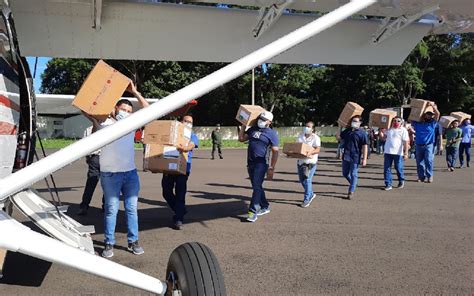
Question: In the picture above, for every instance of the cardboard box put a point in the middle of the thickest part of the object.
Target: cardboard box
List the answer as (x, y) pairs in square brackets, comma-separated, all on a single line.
[(445, 121), (418, 109), (166, 132), (461, 116), (381, 118), (248, 114), (297, 150), (350, 110), (164, 159), (101, 90)]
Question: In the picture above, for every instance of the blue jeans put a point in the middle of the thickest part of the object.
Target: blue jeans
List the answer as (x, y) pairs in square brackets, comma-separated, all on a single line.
[(464, 148), (257, 173), (307, 181), (398, 162), (113, 184), (424, 161), (174, 191), (451, 155), (350, 171)]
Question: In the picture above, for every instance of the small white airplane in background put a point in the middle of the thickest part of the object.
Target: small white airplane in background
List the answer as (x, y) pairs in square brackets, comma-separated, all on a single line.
[(383, 33)]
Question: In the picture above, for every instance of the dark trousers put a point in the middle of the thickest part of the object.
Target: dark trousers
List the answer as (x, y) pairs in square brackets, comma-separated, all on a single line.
[(93, 175), (174, 192), (257, 173), (218, 148), (464, 148)]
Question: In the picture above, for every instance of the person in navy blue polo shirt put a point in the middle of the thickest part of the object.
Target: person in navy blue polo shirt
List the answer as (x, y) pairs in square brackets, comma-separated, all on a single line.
[(355, 148), (261, 139), (175, 186), (425, 139)]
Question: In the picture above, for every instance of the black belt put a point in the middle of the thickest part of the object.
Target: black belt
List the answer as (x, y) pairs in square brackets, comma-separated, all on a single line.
[(424, 145)]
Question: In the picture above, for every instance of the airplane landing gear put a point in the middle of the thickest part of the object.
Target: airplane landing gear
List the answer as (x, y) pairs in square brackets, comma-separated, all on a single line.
[(193, 270)]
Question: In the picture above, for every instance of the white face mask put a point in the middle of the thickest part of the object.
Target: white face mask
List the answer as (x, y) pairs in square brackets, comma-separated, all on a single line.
[(262, 123), (307, 130), (122, 115), (188, 125), (355, 124)]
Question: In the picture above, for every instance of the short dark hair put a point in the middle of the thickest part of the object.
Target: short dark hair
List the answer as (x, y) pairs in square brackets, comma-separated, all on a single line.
[(124, 101), (310, 122)]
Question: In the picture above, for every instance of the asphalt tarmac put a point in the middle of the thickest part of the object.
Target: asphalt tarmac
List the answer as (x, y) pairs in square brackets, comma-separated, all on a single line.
[(411, 241)]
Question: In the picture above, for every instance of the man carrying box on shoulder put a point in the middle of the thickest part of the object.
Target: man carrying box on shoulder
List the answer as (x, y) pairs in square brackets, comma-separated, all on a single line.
[(465, 145), (118, 176), (307, 166), (260, 138), (355, 148), (175, 186), (425, 138), (453, 139)]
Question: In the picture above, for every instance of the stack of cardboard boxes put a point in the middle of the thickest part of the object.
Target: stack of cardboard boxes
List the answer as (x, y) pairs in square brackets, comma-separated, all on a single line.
[(161, 139), (350, 110)]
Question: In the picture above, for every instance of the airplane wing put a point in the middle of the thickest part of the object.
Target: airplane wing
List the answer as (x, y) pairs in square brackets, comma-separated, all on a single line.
[(146, 30)]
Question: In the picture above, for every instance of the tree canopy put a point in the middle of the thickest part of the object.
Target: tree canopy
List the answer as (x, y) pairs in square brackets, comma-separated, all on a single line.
[(440, 68)]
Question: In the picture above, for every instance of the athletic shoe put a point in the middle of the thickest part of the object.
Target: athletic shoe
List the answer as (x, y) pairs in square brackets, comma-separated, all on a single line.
[(388, 188), (262, 212), (401, 185), (420, 180), (135, 248), (178, 225), (429, 180), (350, 195), (306, 203), (108, 252), (252, 217)]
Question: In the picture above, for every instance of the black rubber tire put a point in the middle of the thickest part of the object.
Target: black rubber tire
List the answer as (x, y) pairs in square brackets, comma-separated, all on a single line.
[(196, 271)]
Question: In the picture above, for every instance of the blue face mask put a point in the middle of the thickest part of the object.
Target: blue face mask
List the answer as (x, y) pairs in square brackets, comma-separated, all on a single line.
[(122, 115)]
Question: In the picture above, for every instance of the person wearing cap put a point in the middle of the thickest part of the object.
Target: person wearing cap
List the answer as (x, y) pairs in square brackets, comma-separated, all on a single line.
[(174, 187), (261, 139), (425, 138), (216, 138), (307, 166), (355, 149), (453, 139), (465, 146), (395, 151)]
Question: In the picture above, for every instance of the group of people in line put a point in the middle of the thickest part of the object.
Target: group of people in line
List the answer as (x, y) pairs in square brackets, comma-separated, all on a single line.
[(115, 165)]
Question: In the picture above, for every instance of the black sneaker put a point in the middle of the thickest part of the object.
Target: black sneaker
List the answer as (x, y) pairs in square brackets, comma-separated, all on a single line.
[(108, 252), (401, 185), (135, 248)]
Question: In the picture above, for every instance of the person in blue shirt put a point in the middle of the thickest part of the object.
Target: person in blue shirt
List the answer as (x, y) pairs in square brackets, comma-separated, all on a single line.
[(175, 186), (465, 146), (355, 148), (261, 139), (425, 139)]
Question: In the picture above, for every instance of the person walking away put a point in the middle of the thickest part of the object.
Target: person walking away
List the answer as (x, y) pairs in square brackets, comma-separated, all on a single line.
[(93, 175), (425, 136), (118, 176), (453, 140), (355, 149), (216, 138), (465, 146), (261, 139), (175, 186), (381, 141), (396, 152), (306, 167)]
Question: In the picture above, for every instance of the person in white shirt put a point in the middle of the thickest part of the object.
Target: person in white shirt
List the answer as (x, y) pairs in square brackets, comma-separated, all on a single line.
[(118, 176), (396, 152), (307, 166)]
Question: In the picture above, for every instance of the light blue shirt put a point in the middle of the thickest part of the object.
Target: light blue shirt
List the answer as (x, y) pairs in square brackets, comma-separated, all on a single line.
[(467, 132)]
